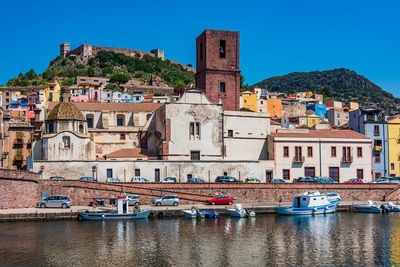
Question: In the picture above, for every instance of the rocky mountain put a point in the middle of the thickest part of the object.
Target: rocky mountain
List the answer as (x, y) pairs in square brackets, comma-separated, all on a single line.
[(338, 84)]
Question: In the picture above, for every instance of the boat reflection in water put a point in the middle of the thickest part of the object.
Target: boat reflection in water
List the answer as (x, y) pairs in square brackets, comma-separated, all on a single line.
[(332, 239)]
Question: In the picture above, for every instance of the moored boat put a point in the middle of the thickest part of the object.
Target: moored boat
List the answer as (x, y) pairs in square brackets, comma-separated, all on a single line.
[(310, 203), (369, 207), (194, 213), (240, 212), (392, 207), (122, 212)]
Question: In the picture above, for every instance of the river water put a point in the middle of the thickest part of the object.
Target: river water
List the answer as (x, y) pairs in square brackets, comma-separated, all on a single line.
[(342, 239)]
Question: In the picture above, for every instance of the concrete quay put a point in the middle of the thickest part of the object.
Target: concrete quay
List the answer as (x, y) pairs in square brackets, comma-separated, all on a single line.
[(37, 214)]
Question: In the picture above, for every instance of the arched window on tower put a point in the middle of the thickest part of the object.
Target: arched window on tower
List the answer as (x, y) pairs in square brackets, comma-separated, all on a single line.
[(81, 128), (66, 142)]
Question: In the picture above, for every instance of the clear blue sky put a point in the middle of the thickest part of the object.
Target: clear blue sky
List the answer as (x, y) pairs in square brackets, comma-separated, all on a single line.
[(277, 37)]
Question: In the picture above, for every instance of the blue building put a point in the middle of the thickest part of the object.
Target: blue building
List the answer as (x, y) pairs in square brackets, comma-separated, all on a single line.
[(127, 98), (371, 122), (137, 98), (319, 109)]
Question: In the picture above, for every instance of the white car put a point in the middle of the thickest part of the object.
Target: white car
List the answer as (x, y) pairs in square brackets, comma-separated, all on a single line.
[(139, 180), (169, 180)]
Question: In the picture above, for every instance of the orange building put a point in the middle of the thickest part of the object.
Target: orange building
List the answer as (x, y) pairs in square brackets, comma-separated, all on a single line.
[(274, 107)]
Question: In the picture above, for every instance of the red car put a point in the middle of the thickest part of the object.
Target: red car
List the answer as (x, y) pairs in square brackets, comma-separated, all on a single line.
[(355, 181), (221, 200)]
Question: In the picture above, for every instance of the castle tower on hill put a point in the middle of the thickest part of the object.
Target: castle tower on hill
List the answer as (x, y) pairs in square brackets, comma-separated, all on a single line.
[(217, 67), (64, 49)]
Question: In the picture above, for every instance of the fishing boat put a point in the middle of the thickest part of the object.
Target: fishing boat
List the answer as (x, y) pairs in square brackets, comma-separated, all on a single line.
[(122, 212), (195, 213), (240, 212), (369, 207), (310, 203), (392, 207)]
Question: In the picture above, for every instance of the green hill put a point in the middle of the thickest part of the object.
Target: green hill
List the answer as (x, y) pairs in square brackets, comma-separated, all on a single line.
[(108, 64), (338, 84)]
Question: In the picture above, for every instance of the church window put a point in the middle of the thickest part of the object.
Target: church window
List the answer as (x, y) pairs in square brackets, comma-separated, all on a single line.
[(80, 128), (222, 87), (222, 48), (66, 142)]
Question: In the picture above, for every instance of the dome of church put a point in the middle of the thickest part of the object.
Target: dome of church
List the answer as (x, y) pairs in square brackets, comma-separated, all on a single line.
[(66, 111)]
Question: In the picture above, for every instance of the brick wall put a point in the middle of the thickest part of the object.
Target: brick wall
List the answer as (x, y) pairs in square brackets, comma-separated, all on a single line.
[(18, 189)]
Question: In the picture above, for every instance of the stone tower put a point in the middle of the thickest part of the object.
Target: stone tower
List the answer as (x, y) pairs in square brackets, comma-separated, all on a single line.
[(64, 49), (65, 94), (217, 67)]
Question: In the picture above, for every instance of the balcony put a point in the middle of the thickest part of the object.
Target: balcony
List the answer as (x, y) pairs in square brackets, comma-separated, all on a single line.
[(18, 142), (298, 159), (347, 159)]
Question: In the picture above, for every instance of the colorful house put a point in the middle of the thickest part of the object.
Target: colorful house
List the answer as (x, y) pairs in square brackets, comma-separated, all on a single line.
[(52, 92), (319, 109), (274, 107), (249, 101), (312, 120), (80, 93), (371, 122), (393, 130)]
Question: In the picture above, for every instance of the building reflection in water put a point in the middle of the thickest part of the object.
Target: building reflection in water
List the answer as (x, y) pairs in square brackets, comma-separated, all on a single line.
[(340, 239)]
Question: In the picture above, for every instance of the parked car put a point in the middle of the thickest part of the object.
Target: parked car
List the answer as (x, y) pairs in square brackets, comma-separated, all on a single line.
[(113, 180), (134, 200), (169, 180), (394, 180), (171, 200), (227, 179), (220, 200), (381, 181), (139, 180), (354, 181), (325, 180), (253, 180), (305, 180), (59, 201), (277, 181), (88, 179), (195, 180), (56, 178)]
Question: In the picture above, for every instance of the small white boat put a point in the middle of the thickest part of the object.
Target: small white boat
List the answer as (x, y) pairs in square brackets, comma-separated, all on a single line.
[(240, 212), (310, 203), (193, 213), (369, 207), (392, 207)]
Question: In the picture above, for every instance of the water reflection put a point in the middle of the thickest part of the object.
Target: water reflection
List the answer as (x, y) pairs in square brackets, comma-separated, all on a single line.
[(335, 239)]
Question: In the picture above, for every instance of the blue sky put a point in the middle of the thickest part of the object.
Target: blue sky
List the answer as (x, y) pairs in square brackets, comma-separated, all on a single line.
[(277, 37)]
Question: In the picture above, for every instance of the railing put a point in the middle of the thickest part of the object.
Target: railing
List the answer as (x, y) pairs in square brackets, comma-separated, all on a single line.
[(298, 159), (347, 159)]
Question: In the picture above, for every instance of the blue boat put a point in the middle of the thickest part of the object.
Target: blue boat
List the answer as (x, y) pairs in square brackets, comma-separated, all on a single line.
[(122, 212), (195, 213), (311, 203)]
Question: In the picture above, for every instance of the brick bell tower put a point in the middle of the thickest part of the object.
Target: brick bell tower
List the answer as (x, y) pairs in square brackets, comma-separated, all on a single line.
[(217, 67)]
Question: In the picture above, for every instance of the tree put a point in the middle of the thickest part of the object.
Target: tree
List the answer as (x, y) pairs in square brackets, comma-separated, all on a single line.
[(179, 85), (68, 81), (30, 75), (120, 78)]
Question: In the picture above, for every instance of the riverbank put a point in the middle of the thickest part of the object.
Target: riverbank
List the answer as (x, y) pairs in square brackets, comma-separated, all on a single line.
[(33, 214)]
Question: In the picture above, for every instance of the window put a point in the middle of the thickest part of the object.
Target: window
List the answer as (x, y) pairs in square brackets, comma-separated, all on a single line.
[(309, 171), (225, 173), (392, 166), (377, 157), (7, 94), (286, 174), (137, 172), (359, 152), (122, 136), (51, 128), (109, 173), (195, 155), (338, 123), (298, 153), (89, 119), (338, 115), (120, 120), (346, 154), (222, 48), (51, 97), (222, 88), (80, 128), (66, 142), (360, 173), (333, 151), (334, 173), (378, 175), (310, 152), (376, 130), (230, 133), (285, 151), (194, 130), (201, 51)]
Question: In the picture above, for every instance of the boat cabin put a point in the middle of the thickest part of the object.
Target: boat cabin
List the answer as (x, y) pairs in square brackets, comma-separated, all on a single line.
[(310, 199)]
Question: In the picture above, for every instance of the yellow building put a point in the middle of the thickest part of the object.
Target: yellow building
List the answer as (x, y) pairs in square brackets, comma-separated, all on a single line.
[(312, 120), (393, 126), (249, 101), (274, 107), (52, 92), (262, 105)]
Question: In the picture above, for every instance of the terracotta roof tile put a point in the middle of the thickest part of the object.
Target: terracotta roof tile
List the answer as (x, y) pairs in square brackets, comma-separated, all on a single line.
[(129, 153), (323, 134), (134, 107)]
